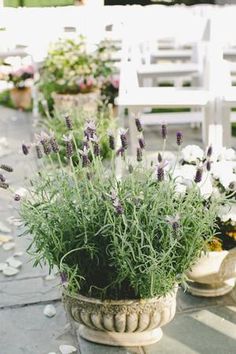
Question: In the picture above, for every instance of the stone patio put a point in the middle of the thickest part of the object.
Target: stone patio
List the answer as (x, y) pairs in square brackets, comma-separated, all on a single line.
[(201, 325)]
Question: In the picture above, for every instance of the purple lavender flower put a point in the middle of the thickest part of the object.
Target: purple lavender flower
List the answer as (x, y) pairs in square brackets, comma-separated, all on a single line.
[(209, 151), (161, 171), (38, 151), (208, 165), (141, 142), (89, 129), (69, 146), (130, 168), (68, 122), (85, 158), (164, 131), (118, 207), (120, 152), (179, 138), (43, 138), (111, 140), (123, 138), (174, 221), (63, 277), (4, 185), (159, 157), (25, 149), (17, 197), (139, 154), (6, 168), (2, 178), (54, 144), (198, 176), (138, 125)]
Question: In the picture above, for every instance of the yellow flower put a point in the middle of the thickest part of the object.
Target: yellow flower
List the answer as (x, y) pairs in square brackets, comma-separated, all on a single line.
[(215, 245)]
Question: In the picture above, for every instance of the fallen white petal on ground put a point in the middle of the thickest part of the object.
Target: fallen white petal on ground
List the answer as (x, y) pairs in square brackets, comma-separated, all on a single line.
[(49, 311), (18, 254), (4, 228), (10, 271), (67, 349), (3, 266), (50, 277), (8, 246), (14, 262)]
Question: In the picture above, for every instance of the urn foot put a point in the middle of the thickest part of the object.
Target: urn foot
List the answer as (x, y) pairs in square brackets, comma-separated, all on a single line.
[(211, 290), (121, 339)]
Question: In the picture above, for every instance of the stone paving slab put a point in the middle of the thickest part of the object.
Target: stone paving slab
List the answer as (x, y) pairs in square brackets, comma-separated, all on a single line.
[(200, 332), (28, 291), (26, 330)]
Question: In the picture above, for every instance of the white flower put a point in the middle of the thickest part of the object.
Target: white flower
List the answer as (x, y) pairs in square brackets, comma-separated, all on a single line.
[(192, 153), (180, 189), (225, 179), (220, 168), (227, 154), (228, 212), (183, 173)]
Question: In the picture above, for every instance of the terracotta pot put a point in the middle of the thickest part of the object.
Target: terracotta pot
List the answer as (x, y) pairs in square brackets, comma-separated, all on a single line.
[(21, 98), (122, 322), (87, 101), (214, 274)]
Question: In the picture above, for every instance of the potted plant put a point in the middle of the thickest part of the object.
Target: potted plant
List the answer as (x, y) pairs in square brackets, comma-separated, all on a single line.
[(214, 274), (72, 77), (121, 245), (21, 79)]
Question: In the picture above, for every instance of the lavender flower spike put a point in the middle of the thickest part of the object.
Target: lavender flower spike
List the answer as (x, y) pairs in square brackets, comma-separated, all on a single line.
[(43, 138), (164, 131), (138, 125), (53, 142), (123, 138), (17, 197), (141, 142), (174, 222), (159, 157), (161, 171), (68, 122), (198, 176), (85, 158), (209, 151), (111, 140), (139, 154), (120, 152), (69, 146), (208, 165), (6, 168), (25, 149), (179, 138), (38, 152), (2, 178)]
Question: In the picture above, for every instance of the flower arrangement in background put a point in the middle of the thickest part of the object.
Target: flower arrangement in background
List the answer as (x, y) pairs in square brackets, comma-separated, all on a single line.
[(22, 77), (70, 69), (218, 178)]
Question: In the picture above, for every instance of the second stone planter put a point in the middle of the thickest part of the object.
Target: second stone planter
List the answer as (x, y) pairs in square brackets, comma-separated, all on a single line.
[(214, 274)]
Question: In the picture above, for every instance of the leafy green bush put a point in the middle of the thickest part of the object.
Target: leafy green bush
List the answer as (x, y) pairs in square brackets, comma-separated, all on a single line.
[(109, 237)]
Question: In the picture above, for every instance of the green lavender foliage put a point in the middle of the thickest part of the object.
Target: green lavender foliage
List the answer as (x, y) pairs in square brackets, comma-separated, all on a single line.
[(134, 253)]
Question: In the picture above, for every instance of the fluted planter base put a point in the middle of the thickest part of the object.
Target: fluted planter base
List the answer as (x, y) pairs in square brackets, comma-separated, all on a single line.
[(211, 290), (124, 323), (120, 339)]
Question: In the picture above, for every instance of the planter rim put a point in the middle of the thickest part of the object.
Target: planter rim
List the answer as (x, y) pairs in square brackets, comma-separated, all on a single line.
[(121, 302)]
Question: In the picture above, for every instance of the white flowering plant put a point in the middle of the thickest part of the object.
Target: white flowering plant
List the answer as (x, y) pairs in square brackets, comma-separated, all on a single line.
[(218, 178), (70, 69)]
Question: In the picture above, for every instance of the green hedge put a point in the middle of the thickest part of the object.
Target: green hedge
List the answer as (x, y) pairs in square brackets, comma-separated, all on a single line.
[(37, 3)]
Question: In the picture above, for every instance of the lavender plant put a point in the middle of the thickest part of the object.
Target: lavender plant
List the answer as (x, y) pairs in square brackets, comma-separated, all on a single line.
[(61, 124), (114, 238)]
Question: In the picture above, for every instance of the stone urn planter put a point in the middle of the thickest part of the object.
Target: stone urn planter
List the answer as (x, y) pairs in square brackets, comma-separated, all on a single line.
[(21, 97), (214, 274), (87, 101), (121, 322)]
